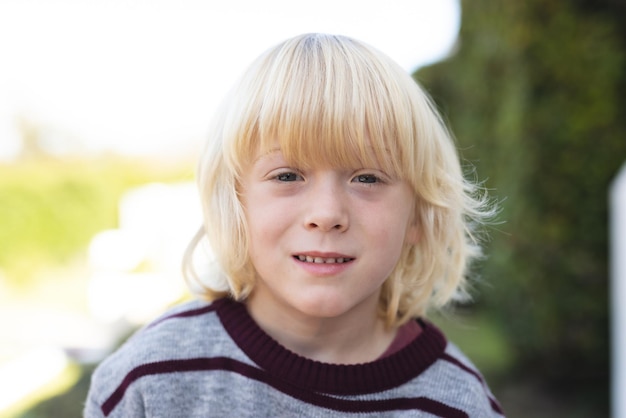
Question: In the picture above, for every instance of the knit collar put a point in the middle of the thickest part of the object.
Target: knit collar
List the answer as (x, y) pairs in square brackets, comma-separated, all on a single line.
[(338, 379)]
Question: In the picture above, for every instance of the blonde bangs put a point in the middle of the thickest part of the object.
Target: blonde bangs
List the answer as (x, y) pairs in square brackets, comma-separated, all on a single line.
[(321, 102)]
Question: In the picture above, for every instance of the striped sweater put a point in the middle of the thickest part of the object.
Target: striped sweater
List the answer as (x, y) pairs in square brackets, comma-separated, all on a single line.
[(212, 360)]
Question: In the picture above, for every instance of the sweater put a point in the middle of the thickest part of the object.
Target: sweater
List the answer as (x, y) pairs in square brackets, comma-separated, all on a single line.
[(212, 360)]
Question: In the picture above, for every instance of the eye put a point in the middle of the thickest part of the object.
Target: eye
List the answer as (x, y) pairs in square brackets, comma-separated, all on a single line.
[(366, 178), (288, 176)]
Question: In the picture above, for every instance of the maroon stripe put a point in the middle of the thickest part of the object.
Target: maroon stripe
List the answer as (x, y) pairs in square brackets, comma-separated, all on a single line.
[(228, 364), (453, 360), (185, 314), (494, 403)]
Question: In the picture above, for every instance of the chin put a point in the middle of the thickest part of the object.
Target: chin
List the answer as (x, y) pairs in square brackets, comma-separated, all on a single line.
[(323, 308)]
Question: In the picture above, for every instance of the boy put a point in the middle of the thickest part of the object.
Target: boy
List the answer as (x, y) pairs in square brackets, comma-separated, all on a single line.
[(335, 205)]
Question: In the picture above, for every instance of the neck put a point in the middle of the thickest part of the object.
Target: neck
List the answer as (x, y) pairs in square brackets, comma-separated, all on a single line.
[(359, 337)]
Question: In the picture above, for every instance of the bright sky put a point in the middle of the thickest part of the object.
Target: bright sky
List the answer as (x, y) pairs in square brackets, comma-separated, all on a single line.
[(143, 76)]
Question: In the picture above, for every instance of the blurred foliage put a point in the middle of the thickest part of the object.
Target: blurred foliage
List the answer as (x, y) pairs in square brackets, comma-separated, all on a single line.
[(51, 208), (535, 94)]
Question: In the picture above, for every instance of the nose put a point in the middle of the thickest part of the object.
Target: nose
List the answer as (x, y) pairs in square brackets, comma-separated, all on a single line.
[(327, 207)]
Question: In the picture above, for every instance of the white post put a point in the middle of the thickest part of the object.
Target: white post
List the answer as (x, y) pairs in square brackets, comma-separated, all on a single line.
[(618, 293)]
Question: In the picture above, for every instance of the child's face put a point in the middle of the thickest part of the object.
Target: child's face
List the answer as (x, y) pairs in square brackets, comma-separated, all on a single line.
[(323, 240)]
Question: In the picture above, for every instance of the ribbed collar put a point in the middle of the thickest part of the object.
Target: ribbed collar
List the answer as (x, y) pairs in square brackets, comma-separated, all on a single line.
[(337, 379)]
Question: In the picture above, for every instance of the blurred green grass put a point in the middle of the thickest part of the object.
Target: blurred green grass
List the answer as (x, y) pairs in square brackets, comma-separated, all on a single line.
[(50, 209)]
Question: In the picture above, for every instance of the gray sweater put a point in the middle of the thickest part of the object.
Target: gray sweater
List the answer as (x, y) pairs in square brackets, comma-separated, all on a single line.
[(212, 360)]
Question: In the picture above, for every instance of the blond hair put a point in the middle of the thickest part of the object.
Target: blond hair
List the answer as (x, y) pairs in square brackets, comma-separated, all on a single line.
[(332, 99)]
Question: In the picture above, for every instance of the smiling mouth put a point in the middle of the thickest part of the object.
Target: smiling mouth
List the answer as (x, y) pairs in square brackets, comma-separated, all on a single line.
[(323, 260)]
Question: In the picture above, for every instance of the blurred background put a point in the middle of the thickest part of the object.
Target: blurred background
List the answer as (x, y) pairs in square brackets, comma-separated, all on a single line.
[(103, 109)]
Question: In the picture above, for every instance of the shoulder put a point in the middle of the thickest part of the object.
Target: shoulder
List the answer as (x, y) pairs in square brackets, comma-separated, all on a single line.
[(459, 382), (443, 377), (179, 334), (194, 320)]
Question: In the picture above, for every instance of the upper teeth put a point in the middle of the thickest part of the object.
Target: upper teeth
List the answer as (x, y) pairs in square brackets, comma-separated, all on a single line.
[(321, 260)]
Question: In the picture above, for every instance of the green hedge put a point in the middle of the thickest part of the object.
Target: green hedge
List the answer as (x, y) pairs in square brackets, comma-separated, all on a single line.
[(535, 95)]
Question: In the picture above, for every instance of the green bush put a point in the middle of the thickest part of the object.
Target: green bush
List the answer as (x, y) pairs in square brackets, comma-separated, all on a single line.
[(534, 94)]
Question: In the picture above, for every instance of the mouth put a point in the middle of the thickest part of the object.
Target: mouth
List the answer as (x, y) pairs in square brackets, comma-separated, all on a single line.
[(322, 260)]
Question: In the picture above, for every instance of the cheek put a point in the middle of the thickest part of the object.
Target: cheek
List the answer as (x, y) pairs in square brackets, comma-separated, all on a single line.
[(256, 210), (264, 218), (267, 224), (396, 225), (395, 232)]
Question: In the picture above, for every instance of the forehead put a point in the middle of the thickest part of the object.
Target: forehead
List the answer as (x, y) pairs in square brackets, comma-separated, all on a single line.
[(332, 152)]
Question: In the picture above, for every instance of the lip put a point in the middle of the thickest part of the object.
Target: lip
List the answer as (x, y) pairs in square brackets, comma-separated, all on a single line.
[(323, 269)]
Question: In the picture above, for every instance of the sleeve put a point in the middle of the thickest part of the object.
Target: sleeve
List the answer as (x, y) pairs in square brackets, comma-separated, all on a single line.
[(101, 401)]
